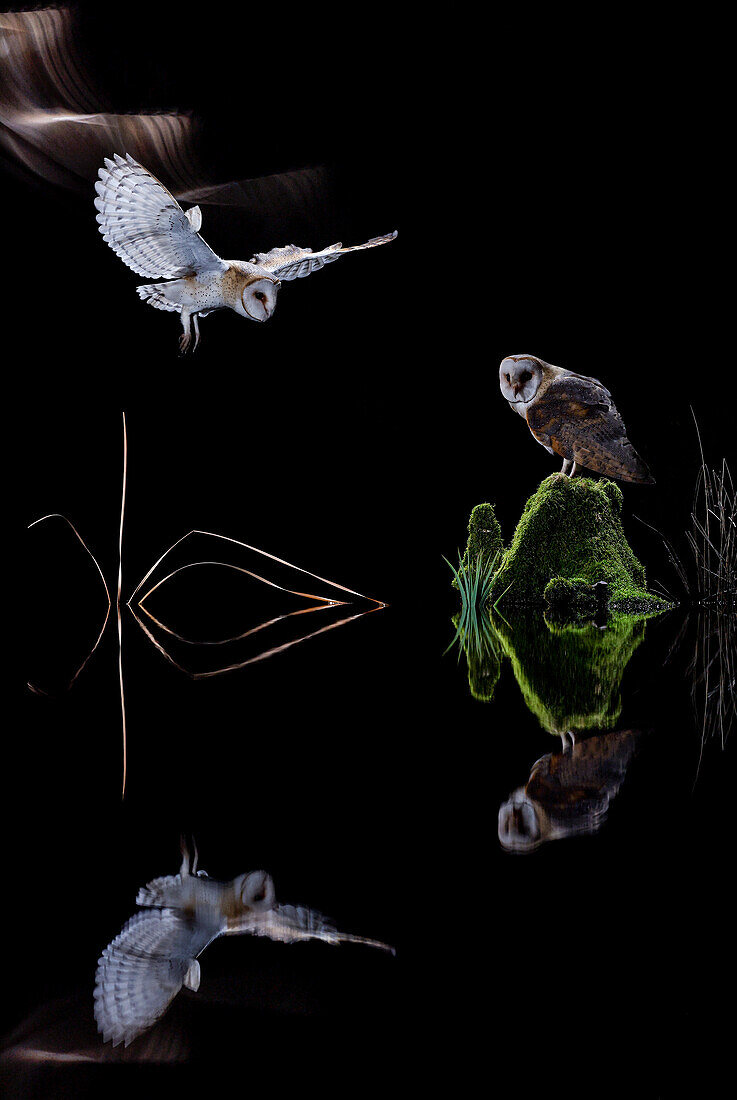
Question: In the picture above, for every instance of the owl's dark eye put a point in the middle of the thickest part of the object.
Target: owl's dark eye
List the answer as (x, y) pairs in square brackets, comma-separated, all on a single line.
[(525, 376), (260, 295), (507, 377)]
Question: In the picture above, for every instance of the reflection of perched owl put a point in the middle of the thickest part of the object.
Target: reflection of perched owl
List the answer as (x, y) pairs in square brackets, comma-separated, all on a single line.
[(572, 416), (143, 969), (145, 225), (568, 793)]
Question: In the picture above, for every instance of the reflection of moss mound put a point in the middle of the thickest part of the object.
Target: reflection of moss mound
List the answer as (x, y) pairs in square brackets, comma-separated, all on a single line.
[(571, 529), (484, 539), (570, 676)]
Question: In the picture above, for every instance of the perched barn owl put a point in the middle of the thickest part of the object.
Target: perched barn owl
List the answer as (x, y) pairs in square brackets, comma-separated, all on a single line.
[(145, 225), (572, 416), (568, 793), (140, 973)]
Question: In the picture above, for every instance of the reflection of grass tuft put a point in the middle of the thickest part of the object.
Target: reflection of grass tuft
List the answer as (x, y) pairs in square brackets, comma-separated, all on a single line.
[(474, 631)]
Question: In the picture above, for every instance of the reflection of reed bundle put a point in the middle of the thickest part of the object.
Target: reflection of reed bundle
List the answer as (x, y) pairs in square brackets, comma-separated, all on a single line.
[(714, 676), (710, 584), (713, 542)]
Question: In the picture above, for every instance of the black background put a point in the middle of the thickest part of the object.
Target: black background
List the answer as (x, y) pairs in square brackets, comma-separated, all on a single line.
[(566, 205)]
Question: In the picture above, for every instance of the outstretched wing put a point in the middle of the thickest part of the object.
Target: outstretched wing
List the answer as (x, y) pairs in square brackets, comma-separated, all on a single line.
[(577, 418), (292, 923), (145, 225), (140, 973), (292, 262)]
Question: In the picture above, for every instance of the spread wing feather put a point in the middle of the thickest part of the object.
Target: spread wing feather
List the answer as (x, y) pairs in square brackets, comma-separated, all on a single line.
[(140, 973), (290, 923), (163, 891), (145, 225), (293, 262), (577, 418)]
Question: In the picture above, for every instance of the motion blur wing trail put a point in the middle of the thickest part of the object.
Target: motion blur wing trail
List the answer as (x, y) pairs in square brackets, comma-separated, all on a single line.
[(57, 126), (54, 122)]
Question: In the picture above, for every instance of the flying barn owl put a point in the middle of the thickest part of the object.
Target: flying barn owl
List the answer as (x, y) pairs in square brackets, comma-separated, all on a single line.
[(140, 973), (573, 416), (145, 225)]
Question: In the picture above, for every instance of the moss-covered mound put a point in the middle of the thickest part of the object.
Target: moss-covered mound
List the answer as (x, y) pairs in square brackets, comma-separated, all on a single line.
[(570, 676), (569, 539)]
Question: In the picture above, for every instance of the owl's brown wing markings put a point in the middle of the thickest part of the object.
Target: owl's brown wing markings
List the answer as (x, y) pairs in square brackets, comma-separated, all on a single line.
[(596, 767), (140, 973), (145, 225), (579, 422)]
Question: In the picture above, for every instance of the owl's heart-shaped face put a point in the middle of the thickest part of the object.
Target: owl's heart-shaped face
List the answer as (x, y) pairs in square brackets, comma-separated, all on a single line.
[(259, 298), (256, 891), (519, 826), (519, 378)]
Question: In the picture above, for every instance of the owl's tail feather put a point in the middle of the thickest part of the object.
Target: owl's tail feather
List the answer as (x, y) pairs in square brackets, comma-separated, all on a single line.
[(156, 295)]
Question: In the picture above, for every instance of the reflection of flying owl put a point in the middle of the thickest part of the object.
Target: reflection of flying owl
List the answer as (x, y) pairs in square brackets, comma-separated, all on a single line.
[(154, 236), (142, 970), (572, 416), (568, 793)]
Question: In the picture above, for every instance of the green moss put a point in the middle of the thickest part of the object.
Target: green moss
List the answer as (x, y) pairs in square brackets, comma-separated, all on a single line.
[(570, 675), (571, 597), (485, 542), (570, 538)]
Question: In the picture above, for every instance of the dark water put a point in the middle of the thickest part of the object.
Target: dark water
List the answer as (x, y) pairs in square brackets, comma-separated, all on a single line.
[(359, 769)]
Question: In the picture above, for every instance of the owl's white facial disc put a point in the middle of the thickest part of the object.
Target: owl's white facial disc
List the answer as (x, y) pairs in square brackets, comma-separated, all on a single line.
[(259, 298), (519, 379), (519, 827), (257, 890)]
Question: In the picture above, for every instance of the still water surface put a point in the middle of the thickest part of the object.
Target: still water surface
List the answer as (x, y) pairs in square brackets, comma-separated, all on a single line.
[(532, 818)]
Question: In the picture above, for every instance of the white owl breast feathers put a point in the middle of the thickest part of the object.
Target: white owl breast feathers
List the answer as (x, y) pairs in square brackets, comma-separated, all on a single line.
[(140, 973), (145, 225), (573, 416)]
